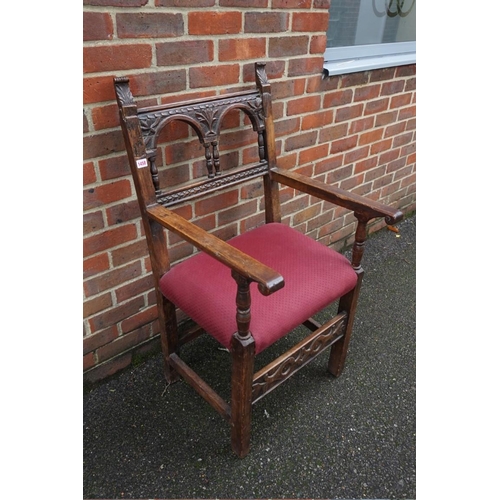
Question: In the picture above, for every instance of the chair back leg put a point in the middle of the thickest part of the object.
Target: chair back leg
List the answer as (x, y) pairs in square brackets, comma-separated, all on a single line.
[(168, 335)]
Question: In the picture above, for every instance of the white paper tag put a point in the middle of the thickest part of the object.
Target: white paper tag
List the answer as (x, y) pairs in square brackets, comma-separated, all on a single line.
[(143, 162)]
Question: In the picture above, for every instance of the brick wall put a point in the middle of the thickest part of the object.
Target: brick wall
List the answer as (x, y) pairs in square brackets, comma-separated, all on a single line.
[(356, 131)]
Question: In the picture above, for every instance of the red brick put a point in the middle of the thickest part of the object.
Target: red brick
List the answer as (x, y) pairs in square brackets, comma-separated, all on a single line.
[(366, 93), (305, 66), (214, 203), (363, 166), (313, 153), (113, 168), (407, 113), (129, 253), (378, 147), (103, 144), (343, 144), (123, 343), (318, 44), (243, 3), (348, 113), (97, 26), (135, 288), (337, 98), (116, 3), (310, 21), (402, 140), (286, 127), (116, 57), (97, 304), (108, 239), (395, 129), (319, 119), (338, 171), (408, 150), (149, 25), (401, 100), (290, 87), (370, 137), (106, 193), (361, 125), (185, 3), (291, 4), (388, 156), (92, 342), (373, 107), (274, 69), (379, 75), (105, 117), (357, 154), (92, 222), (213, 76), (284, 46), (214, 23), (376, 173), (243, 209), (334, 132), (319, 221), (89, 176), (302, 140), (394, 87), (354, 79), (242, 48), (411, 84), (112, 279), (266, 22), (95, 265), (321, 4), (159, 82), (306, 214), (352, 182), (139, 320), (185, 52), (303, 105), (98, 89), (88, 361), (237, 139), (385, 118)]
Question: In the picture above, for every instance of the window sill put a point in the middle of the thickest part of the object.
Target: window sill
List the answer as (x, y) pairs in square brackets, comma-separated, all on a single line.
[(353, 65)]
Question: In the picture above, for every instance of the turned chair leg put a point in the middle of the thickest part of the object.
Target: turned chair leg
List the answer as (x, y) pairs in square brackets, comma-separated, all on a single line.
[(243, 354), (338, 351)]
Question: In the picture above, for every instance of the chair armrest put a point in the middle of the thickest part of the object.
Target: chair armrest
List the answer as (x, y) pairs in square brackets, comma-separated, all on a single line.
[(360, 205), (268, 280)]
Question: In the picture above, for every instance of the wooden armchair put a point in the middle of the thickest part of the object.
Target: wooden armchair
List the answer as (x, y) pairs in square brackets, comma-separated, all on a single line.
[(254, 289)]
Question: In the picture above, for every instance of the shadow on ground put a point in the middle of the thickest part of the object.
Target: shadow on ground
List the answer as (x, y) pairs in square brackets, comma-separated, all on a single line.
[(313, 437)]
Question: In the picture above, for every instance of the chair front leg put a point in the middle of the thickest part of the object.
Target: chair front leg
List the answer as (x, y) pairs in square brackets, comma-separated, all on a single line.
[(243, 355), (349, 301), (338, 351)]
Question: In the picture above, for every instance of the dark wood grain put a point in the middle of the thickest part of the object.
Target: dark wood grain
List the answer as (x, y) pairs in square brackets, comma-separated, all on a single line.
[(369, 208), (269, 281)]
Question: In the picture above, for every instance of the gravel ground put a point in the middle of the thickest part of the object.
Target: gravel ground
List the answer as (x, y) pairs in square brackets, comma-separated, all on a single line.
[(314, 437)]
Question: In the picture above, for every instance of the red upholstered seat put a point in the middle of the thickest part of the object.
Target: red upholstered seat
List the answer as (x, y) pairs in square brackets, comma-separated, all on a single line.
[(314, 275)]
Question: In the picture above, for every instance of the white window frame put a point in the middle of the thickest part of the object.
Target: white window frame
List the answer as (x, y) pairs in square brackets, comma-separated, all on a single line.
[(341, 60)]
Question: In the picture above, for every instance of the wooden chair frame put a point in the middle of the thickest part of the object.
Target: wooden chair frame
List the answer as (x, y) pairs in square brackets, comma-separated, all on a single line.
[(141, 127)]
